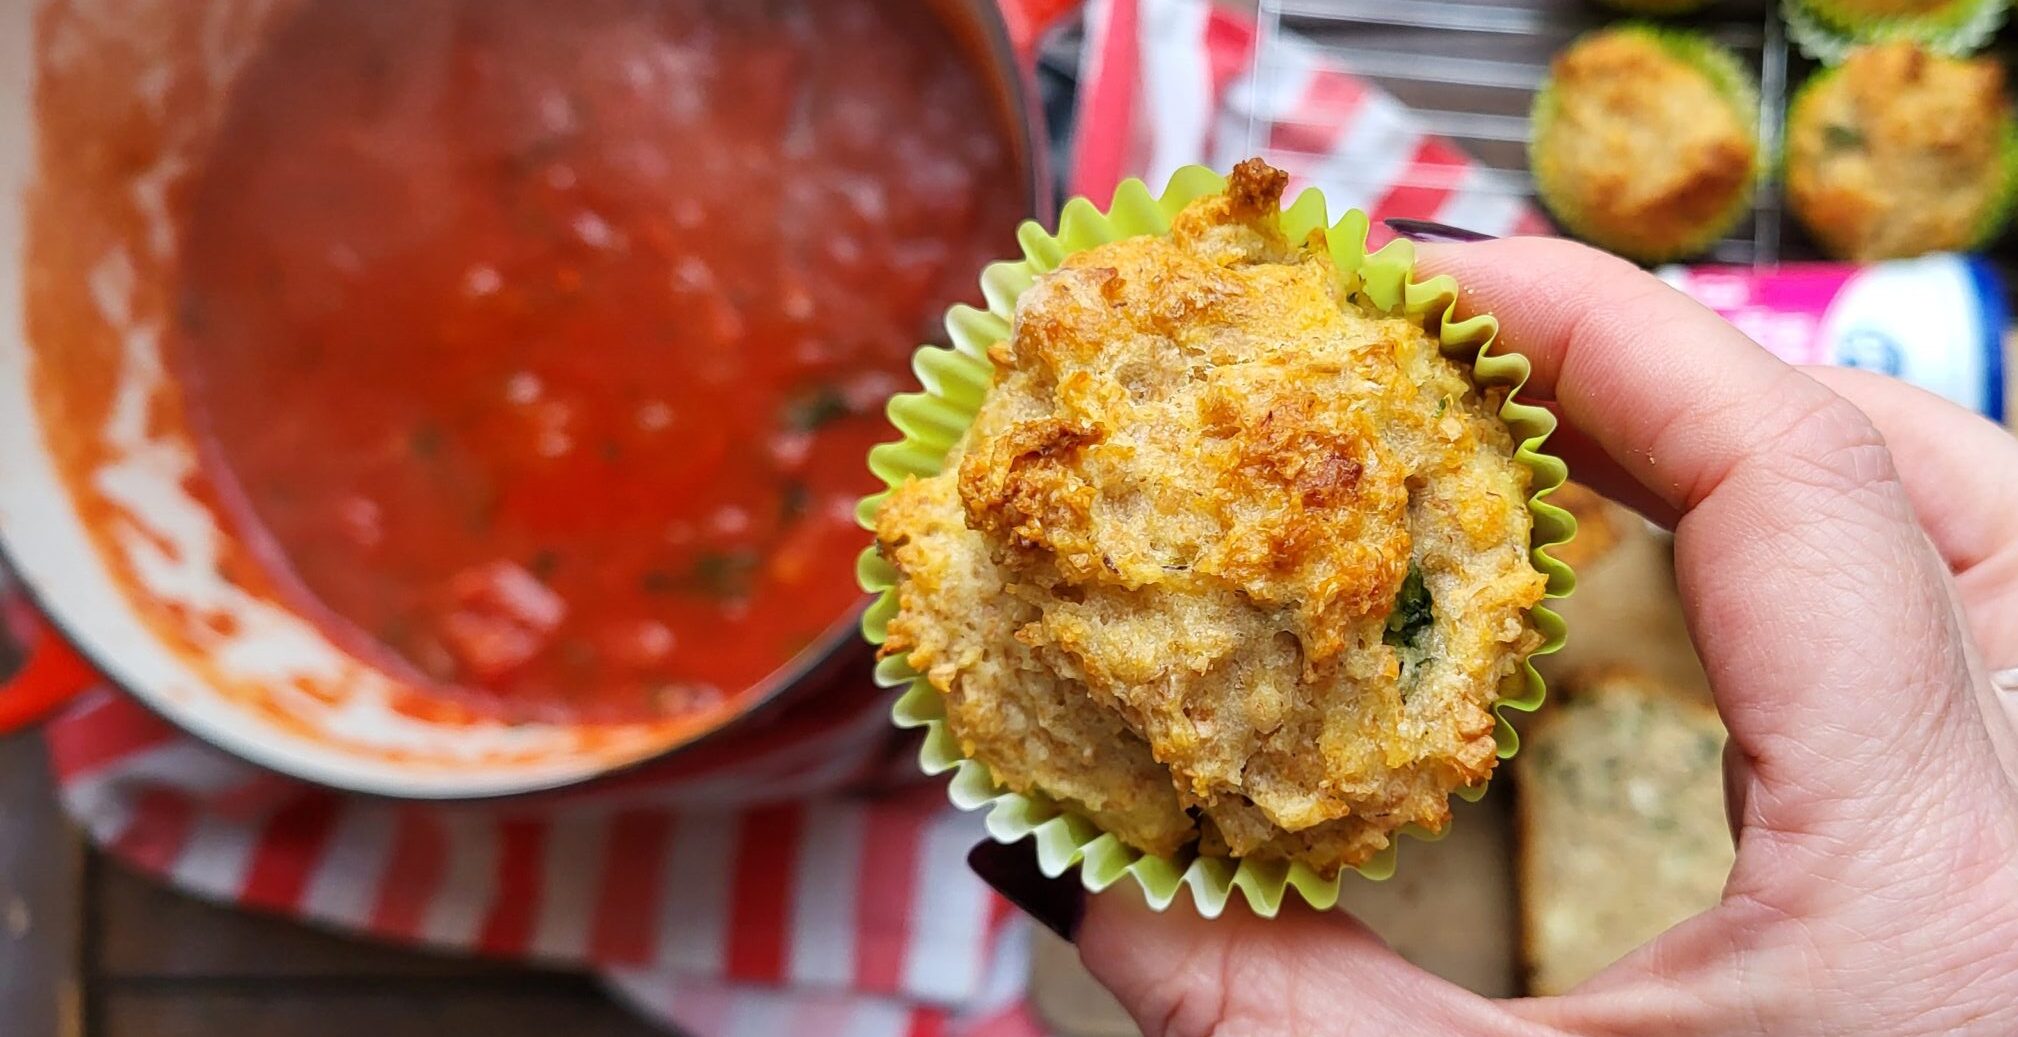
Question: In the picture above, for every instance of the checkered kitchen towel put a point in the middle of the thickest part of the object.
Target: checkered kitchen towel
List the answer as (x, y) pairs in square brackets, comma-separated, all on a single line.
[(735, 892)]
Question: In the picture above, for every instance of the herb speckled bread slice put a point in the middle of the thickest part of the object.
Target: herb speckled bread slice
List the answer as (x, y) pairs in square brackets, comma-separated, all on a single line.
[(1621, 824)]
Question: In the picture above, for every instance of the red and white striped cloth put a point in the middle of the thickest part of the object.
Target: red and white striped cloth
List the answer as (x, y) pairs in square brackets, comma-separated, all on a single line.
[(733, 891), (1177, 82), (760, 912)]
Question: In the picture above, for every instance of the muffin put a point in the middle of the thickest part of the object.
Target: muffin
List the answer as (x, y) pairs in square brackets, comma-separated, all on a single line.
[(1899, 151), (1229, 561), (1645, 142), (1827, 30)]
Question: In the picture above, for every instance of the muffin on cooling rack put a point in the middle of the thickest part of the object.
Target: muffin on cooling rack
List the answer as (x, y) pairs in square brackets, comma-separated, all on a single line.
[(1828, 30), (1230, 560), (1899, 151), (1644, 141)]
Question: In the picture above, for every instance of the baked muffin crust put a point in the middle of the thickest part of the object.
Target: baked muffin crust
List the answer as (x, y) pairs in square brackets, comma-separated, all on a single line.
[(1226, 556)]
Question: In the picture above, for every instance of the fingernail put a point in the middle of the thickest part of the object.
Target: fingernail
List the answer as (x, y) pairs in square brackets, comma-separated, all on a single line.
[(1057, 904), (1430, 230)]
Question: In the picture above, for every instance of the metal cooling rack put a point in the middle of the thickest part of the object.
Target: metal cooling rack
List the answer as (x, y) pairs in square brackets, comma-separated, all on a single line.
[(1469, 70)]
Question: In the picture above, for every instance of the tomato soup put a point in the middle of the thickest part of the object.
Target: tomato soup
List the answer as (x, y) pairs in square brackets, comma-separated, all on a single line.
[(541, 344)]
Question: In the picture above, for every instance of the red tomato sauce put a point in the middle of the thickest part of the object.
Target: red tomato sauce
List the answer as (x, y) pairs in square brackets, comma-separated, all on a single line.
[(544, 342)]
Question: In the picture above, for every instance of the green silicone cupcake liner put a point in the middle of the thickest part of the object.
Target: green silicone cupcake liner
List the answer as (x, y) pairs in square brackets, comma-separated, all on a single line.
[(1730, 80), (1828, 34), (955, 380), (1999, 215), (1995, 218)]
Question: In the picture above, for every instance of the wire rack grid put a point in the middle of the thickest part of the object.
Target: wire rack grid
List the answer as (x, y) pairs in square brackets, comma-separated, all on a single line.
[(1468, 71)]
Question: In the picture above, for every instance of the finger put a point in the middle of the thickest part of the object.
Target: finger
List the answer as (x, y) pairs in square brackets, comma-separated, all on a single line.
[(1305, 973), (1591, 466), (1671, 391), (1806, 580), (2004, 689), (1824, 617), (1737, 788), (1944, 454), (1961, 473)]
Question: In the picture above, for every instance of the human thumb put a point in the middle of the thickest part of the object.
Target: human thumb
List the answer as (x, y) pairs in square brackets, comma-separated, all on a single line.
[(1304, 973)]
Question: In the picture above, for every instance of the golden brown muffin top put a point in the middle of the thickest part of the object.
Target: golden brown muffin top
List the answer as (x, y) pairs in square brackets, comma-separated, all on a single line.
[(1206, 479), (1642, 151), (1899, 152)]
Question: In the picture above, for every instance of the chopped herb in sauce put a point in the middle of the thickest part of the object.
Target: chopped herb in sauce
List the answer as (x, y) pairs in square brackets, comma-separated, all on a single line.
[(482, 504), (722, 575), (812, 410), (396, 631), (192, 313), (794, 500), (425, 441), (580, 655), (544, 563)]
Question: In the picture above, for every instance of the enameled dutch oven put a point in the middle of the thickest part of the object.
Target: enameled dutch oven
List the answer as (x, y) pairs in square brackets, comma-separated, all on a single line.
[(239, 670)]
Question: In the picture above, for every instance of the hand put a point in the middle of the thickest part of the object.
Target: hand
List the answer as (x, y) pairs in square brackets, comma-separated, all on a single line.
[(1847, 553)]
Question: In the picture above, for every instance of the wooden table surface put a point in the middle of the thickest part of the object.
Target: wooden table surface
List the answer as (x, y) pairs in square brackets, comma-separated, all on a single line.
[(89, 950)]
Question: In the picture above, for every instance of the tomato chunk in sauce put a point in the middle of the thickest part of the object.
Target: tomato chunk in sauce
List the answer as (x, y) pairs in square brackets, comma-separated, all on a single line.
[(542, 343)]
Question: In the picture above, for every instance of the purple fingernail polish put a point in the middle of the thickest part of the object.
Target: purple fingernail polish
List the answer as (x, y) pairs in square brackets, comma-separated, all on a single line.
[(1432, 231), (1057, 904)]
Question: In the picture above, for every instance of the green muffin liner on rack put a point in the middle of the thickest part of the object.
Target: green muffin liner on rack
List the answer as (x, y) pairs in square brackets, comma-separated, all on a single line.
[(957, 378), (1557, 188), (1828, 31), (1991, 223)]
